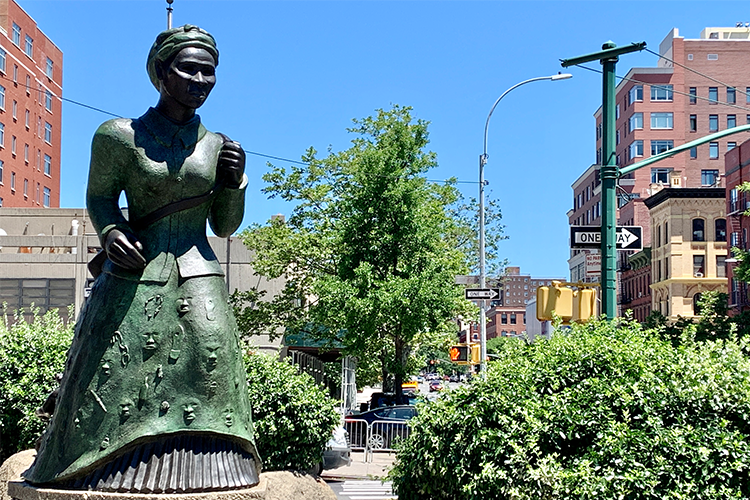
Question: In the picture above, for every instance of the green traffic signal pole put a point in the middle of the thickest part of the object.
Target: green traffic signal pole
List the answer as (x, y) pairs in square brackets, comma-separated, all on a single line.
[(608, 172)]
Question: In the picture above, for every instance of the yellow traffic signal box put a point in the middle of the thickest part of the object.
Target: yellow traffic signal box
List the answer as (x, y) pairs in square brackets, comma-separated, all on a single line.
[(584, 305), (555, 299), (476, 354)]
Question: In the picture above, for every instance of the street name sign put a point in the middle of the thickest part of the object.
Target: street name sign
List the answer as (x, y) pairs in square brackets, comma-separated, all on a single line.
[(628, 237), (482, 293)]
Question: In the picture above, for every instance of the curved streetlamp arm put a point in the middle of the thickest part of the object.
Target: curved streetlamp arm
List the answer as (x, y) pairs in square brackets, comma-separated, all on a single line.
[(562, 76)]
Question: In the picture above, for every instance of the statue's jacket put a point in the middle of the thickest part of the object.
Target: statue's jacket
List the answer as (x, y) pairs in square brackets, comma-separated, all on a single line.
[(155, 352)]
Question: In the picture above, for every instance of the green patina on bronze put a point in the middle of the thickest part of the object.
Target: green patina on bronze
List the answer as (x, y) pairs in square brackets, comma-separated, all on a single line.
[(156, 350)]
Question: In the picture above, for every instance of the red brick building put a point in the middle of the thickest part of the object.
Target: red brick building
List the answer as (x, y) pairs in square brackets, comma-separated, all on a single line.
[(507, 316), (737, 165), (30, 112), (658, 108)]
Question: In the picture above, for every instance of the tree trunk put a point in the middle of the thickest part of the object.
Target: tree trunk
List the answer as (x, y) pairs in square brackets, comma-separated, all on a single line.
[(399, 375)]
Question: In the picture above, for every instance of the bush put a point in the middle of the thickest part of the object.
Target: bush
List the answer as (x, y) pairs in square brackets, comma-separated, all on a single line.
[(31, 353), (294, 418), (605, 411)]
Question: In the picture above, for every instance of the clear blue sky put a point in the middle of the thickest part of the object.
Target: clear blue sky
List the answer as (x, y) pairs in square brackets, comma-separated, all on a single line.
[(294, 74)]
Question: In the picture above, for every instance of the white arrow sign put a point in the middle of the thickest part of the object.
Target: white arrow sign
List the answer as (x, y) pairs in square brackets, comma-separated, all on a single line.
[(482, 293), (625, 238)]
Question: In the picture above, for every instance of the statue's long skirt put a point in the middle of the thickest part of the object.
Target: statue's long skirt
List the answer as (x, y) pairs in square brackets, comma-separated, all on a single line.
[(154, 394)]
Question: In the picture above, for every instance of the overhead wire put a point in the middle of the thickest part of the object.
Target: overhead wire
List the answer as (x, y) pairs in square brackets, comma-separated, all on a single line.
[(666, 87), (254, 153)]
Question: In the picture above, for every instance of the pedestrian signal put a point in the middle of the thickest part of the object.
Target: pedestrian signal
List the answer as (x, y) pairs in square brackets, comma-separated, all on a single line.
[(554, 299), (584, 305), (459, 354)]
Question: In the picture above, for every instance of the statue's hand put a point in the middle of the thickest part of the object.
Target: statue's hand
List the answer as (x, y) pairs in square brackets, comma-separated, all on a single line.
[(124, 250), (231, 165)]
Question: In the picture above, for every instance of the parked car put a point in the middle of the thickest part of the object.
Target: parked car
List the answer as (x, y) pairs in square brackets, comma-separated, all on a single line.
[(386, 425), (338, 452), (436, 385), (381, 399)]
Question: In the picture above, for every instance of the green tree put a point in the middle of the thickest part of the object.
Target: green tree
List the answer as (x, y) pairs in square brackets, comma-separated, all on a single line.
[(371, 250)]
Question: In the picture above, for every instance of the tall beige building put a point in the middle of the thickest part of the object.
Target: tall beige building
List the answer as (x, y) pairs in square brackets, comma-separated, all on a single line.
[(689, 248)]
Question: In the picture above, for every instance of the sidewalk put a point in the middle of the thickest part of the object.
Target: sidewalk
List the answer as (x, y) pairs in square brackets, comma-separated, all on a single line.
[(359, 469)]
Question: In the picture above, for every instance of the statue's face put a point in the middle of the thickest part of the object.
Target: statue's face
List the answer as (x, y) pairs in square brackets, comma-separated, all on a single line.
[(190, 77)]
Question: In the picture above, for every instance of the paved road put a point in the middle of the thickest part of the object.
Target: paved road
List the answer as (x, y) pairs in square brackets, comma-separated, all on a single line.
[(360, 489)]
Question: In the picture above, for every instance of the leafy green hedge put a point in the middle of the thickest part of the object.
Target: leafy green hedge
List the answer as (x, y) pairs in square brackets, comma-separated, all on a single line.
[(605, 411), (30, 356), (294, 417)]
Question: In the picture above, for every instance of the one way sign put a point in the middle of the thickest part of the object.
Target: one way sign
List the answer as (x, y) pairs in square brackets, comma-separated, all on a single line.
[(628, 237)]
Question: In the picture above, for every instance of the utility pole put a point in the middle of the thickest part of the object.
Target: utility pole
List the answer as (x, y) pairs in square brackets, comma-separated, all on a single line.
[(608, 171)]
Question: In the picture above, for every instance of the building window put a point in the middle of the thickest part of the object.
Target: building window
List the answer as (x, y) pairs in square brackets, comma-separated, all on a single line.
[(709, 177), (731, 95), (2, 97), (504, 318), (713, 123), (37, 193), (29, 46), (721, 266), (617, 112), (636, 121), (731, 146), (713, 94), (660, 175), (512, 318), (2, 164), (699, 230), (693, 95), (47, 132), (661, 146), (26, 153), (662, 120), (48, 100), (26, 119), (747, 95), (636, 149), (16, 34), (28, 85), (693, 153), (731, 121), (698, 265), (12, 181), (15, 110), (47, 165), (3, 58), (720, 227), (661, 92), (25, 188), (636, 93), (13, 145), (2, 135), (47, 196), (599, 156), (696, 304), (713, 150), (50, 68), (693, 123)]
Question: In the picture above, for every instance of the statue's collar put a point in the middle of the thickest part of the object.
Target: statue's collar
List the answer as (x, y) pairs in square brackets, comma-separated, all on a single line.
[(166, 132)]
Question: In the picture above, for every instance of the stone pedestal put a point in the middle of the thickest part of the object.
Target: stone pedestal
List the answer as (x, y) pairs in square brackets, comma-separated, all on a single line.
[(282, 485)]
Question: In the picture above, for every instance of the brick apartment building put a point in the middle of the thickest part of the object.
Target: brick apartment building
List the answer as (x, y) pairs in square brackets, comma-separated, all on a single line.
[(30, 112), (658, 108), (737, 168), (507, 317)]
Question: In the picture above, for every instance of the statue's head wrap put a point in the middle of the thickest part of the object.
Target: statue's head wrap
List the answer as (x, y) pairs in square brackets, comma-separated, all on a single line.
[(168, 43)]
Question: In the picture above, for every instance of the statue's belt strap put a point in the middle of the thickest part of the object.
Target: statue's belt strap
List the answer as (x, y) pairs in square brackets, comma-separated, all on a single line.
[(177, 206)]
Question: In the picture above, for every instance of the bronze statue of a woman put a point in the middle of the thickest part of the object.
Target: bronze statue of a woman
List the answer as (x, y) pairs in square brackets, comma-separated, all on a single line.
[(154, 397)]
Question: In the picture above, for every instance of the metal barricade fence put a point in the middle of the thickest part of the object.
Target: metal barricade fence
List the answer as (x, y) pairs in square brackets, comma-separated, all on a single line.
[(380, 435), (359, 431)]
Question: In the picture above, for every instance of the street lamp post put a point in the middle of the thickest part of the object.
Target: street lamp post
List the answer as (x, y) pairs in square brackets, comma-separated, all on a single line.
[(482, 162)]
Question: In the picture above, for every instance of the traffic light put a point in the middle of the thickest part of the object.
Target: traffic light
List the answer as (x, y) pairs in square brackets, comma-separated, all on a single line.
[(555, 299), (459, 354), (476, 354), (584, 305)]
